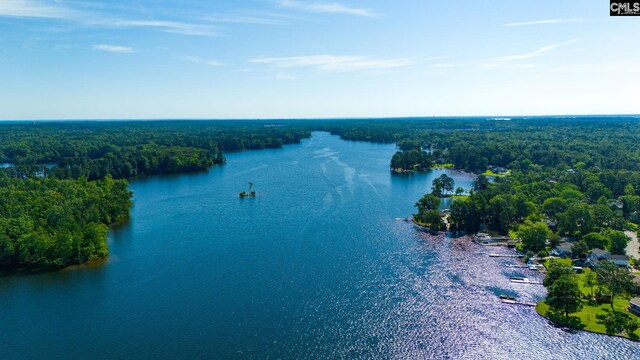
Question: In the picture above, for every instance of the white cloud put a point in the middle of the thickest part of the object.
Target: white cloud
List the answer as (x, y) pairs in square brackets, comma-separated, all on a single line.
[(37, 9), (240, 19), (197, 60), (33, 9), (547, 21), (114, 48), (168, 26), (335, 8), (532, 54), (335, 63)]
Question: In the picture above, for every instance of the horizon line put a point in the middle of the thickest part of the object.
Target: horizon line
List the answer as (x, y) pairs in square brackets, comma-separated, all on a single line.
[(497, 117)]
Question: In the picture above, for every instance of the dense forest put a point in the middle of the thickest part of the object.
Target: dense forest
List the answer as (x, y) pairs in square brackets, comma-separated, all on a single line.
[(59, 195), (50, 222), (474, 144)]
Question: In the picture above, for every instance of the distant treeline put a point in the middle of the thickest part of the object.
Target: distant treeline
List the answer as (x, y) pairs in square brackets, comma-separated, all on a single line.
[(473, 144), (129, 149), (57, 215)]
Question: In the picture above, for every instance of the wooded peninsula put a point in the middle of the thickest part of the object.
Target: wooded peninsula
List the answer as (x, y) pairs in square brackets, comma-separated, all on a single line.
[(67, 181)]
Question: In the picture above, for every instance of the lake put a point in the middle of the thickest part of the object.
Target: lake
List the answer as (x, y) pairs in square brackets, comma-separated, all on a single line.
[(315, 266)]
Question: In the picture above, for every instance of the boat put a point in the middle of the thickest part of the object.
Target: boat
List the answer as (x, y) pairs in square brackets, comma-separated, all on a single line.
[(517, 279)]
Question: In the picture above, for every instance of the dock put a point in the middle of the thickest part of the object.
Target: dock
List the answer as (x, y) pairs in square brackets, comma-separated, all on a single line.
[(521, 280), (504, 255), (517, 302), (517, 266)]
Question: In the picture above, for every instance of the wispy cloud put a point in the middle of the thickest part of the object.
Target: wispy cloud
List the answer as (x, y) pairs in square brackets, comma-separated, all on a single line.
[(167, 26), (33, 9), (197, 60), (536, 53), (38, 9), (241, 19), (335, 63), (114, 48), (516, 61), (547, 21), (335, 8)]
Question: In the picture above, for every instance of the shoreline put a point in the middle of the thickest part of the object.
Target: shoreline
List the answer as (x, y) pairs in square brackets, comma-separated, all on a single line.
[(540, 302)]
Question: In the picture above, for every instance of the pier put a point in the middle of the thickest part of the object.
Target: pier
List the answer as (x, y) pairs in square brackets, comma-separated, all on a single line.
[(517, 302), (504, 255)]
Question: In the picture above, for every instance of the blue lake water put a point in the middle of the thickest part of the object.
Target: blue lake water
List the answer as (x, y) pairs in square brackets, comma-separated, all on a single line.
[(315, 267)]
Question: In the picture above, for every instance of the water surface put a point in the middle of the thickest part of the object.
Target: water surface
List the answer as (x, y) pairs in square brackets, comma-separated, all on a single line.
[(315, 267)]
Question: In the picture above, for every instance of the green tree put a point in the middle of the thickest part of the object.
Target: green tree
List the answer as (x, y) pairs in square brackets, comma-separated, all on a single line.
[(590, 280), (464, 215), (554, 205), (577, 220), (564, 296), (579, 250), (447, 183), (428, 202), (459, 191), (533, 235), (615, 322), (555, 271), (480, 183), (615, 279), (431, 219), (437, 187), (595, 240), (618, 241)]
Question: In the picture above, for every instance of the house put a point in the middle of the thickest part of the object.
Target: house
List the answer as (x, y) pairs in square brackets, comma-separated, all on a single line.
[(634, 305), (620, 260), (564, 249), (499, 170), (597, 255)]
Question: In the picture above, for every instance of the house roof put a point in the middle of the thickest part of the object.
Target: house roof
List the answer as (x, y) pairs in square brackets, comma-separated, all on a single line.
[(566, 246), (617, 257), (635, 301), (636, 279), (599, 253)]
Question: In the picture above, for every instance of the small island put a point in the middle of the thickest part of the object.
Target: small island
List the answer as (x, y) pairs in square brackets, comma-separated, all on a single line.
[(250, 193)]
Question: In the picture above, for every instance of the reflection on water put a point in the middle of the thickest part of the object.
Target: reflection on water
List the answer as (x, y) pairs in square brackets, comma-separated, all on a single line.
[(315, 267)]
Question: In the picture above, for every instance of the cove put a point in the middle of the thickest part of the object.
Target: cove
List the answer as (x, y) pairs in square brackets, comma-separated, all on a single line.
[(314, 267)]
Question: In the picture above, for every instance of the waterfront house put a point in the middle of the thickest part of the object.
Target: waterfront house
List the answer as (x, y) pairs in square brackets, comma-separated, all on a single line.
[(597, 255), (564, 249), (634, 305), (620, 260)]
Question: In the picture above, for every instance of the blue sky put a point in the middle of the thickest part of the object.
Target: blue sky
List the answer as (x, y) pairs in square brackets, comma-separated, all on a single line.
[(77, 59)]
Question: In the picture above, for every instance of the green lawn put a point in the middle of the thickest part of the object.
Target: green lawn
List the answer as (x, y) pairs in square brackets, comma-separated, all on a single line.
[(459, 196), (587, 315), (443, 166), (491, 173)]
